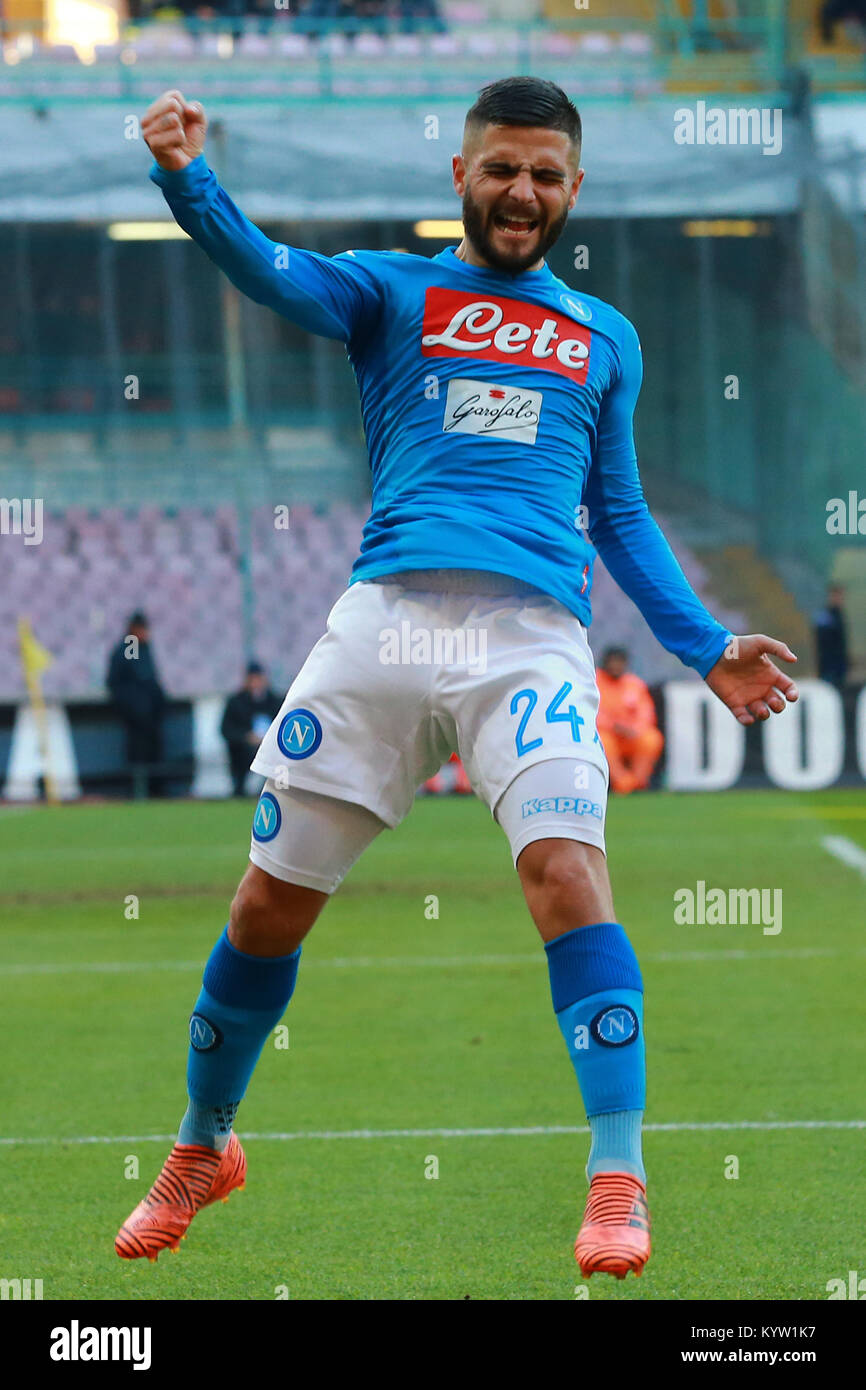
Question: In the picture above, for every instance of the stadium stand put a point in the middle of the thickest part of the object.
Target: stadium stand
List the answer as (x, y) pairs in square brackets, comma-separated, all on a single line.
[(95, 567)]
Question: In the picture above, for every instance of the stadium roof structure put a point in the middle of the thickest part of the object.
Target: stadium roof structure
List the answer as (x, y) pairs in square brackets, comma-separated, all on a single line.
[(349, 160)]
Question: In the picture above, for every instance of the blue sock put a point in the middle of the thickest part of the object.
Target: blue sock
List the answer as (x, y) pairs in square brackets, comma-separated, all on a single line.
[(243, 997), (597, 994)]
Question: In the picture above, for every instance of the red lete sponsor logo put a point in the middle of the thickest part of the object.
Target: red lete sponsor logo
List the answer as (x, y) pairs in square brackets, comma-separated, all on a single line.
[(457, 324)]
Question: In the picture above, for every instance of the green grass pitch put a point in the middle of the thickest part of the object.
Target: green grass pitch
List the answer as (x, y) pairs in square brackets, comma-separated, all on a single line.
[(451, 1030)]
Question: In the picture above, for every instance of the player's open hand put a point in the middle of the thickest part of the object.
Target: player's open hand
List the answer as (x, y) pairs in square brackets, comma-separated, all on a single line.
[(174, 130), (748, 682)]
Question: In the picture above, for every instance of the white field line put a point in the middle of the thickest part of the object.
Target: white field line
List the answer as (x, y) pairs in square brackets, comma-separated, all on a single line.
[(130, 967), (495, 1132), (850, 853)]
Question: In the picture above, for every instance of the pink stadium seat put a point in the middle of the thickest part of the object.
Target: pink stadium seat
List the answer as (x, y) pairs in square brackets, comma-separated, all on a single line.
[(370, 46), (294, 46), (636, 43), (256, 46), (443, 45), (467, 12), (597, 43)]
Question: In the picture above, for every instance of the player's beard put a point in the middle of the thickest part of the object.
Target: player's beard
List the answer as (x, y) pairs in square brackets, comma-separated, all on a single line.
[(477, 224)]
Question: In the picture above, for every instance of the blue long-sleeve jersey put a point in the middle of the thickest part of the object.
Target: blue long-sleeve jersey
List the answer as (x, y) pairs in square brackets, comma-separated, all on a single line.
[(497, 411)]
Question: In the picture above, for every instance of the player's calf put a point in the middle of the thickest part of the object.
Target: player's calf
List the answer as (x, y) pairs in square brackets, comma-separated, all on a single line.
[(597, 994)]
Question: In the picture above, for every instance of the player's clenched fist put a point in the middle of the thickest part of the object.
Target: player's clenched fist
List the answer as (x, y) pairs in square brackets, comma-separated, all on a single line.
[(174, 130)]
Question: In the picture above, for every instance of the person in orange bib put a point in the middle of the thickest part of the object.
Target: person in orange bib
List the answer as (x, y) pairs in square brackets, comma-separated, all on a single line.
[(627, 723)]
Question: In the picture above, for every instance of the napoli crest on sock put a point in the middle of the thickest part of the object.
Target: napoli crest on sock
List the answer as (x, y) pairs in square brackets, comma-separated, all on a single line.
[(615, 1026), (204, 1036), (299, 734)]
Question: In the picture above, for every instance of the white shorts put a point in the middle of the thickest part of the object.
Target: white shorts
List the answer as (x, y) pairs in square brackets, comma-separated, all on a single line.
[(402, 678)]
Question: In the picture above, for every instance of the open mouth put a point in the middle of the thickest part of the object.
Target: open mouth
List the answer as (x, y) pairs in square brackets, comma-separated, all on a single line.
[(516, 227)]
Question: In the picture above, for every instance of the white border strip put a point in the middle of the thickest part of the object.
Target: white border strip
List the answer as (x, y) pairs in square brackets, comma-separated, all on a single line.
[(522, 1132), (850, 853), (131, 967)]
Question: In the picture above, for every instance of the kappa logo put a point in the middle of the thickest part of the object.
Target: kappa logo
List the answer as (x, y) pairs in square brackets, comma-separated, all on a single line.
[(204, 1036), (578, 805), (615, 1026), (299, 734), (267, 819), (457, 324)]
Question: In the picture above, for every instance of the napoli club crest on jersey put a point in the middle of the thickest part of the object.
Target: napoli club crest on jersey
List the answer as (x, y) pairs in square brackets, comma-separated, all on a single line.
[(576, 307)]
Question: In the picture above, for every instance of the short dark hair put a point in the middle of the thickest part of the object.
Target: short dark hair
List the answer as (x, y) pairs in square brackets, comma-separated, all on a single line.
[(526, 101), (613, 651)]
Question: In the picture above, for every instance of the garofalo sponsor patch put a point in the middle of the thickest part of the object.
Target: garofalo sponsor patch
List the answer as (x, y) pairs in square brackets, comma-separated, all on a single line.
[(499, 412)]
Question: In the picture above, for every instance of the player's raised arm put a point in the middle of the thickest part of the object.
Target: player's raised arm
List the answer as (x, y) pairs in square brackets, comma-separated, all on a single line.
[(335, 297), (629, 541)]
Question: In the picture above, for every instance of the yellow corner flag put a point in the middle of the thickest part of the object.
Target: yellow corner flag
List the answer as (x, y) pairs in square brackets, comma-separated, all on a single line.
[(34, 660), (34, 657)]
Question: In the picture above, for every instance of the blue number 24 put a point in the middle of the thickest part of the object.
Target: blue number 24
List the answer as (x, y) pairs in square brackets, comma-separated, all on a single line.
[(553, 715)]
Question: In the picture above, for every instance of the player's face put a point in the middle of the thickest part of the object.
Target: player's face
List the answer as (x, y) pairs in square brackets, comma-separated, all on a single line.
[(518, 185)]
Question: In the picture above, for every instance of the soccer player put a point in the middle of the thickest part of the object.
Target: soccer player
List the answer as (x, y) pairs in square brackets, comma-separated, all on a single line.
[(497, 404)]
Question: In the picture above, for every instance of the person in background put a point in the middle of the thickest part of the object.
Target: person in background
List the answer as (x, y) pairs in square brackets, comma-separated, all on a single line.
[(831, 639), (139, 698), (627, 723), (247, 718), (833, 12)]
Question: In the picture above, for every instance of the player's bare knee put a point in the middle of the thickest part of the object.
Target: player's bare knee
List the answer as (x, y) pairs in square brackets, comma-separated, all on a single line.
[(259, 904), (567, 881), (268, 913)]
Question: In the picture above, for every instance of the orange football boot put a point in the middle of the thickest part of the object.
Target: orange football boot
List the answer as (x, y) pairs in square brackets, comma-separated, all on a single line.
[(192, 1177), (615, 1234)]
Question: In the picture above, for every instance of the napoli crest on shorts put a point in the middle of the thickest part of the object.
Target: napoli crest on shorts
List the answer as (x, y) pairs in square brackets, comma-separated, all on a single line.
[(615, 1026), (299, 734), (576, 307), (204, 1036), (267, 819)]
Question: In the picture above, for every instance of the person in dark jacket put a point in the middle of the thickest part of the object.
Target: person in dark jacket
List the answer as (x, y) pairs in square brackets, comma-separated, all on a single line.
[(831, 638), (246, 720), (138, 696), (834, 11)]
